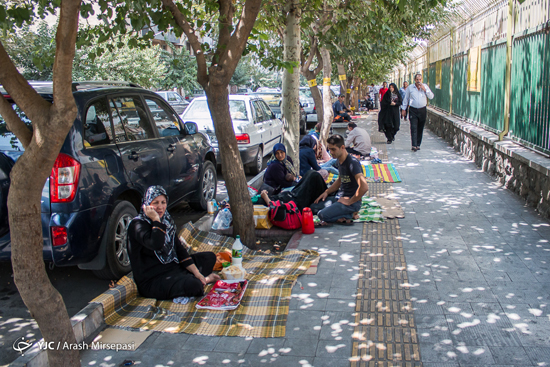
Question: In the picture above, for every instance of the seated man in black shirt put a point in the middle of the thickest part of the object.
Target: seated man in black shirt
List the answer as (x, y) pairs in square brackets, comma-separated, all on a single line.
[(340, 109), (350, 184)]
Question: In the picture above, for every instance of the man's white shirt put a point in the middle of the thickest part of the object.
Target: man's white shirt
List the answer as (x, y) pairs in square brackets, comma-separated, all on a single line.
[(416, 98)]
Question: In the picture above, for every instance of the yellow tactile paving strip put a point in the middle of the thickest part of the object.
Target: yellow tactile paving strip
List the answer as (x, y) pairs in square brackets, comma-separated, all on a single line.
[(385, 335)]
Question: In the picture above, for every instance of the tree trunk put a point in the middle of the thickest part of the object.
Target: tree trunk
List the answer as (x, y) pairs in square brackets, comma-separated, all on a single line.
[(318, 99), (327, 103), (315, 93), (291, 83), (349, 83), (51, 123), (359, 92), (41, 298), (354, 94), (343, 79), (232, 165), (311, 76)]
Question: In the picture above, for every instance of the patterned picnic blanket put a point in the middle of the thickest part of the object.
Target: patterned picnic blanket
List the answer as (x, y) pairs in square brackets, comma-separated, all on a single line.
[(263, 310), (382, 172)]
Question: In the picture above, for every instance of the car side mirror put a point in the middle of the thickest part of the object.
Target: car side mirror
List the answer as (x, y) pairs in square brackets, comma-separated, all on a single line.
[(190, 128)]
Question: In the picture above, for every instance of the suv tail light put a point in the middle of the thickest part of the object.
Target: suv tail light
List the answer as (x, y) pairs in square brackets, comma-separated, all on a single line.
[(242, 138), (59, 235), (64, 179)]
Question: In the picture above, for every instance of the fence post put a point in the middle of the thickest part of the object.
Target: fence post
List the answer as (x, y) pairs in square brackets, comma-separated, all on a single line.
[(508, 79), (451, 33)]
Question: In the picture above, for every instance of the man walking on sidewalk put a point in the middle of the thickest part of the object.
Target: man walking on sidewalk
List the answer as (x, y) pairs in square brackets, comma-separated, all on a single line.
[(350, 184), (416, 99), (402, 92)]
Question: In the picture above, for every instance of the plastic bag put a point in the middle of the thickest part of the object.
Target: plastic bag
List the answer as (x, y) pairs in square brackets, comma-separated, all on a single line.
[(252, 191), (261, 217), (373, 153), (223, 220)]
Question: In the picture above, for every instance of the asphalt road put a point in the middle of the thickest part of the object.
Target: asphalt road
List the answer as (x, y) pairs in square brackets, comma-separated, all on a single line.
[(77, 287)]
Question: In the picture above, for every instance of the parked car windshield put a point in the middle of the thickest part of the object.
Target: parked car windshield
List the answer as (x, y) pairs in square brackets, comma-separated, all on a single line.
[(305, 93), (272, 99), (8, 141), (199, 109)]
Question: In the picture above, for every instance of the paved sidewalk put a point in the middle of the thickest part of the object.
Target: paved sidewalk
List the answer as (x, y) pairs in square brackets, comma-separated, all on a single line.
[(477, 262)]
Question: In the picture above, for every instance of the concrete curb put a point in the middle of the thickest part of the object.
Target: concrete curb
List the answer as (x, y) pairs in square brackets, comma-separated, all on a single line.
[(85, 325), (90, 319)]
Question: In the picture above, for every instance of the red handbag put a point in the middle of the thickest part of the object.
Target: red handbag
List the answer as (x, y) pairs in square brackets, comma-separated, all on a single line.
[(285, 215)]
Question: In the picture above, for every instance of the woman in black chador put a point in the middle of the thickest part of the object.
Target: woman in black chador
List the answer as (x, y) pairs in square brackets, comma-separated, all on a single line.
[(162, 267), (388, 118)]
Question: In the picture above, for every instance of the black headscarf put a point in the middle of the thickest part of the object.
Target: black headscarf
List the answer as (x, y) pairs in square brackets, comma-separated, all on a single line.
[(168, 252), (308, 141)]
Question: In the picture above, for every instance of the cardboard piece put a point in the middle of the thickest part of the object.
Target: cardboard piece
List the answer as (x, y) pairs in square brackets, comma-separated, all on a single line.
[(313, 267), (390, 208)]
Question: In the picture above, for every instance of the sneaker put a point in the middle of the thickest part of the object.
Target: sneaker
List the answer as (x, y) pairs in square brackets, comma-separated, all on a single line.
[(417, 148), (388, 142)]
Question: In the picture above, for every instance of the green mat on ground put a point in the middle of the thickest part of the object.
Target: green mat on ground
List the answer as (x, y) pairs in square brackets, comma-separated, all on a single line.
[(370, 211)]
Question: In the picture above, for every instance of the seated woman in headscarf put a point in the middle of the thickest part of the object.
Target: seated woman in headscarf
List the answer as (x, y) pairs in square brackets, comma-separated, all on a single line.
[(280, 172), (308, 161), (162, 267)]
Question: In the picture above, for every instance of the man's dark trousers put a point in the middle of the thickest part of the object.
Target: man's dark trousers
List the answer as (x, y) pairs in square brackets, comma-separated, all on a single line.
[(345, 116), (417, 118)]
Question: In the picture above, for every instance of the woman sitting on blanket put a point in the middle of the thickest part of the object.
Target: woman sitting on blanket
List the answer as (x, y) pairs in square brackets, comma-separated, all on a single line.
[(162, 267), (280, 172)]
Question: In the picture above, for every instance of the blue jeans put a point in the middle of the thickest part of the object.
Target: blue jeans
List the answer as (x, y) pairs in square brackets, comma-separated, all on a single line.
[(337, 210), (329, 166)]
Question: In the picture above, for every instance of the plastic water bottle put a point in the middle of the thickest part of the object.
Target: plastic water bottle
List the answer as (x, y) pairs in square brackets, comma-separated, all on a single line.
[(237, 253), (227, 217), (222, 220)]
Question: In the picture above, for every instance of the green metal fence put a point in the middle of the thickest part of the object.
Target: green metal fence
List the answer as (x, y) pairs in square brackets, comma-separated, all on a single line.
[(530, 88), (493, 74), (529, 105)]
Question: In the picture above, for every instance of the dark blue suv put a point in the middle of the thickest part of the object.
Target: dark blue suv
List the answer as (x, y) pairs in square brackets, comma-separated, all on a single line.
[(124, 139)]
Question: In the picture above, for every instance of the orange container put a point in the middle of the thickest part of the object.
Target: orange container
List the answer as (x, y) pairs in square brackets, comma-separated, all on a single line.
[(308, 227)]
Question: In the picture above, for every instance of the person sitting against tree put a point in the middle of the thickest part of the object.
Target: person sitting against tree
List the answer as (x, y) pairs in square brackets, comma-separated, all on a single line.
[(340, 109), (162, 267), (280, 172), (308, 160)]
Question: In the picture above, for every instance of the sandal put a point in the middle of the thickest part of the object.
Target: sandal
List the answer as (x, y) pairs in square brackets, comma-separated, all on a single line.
[(347, 222), (323, 224)]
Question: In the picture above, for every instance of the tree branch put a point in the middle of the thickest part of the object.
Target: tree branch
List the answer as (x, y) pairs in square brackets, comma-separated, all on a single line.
[(233, 53), (65, 40), (14, 123), (320, 62), (281, 32), (312, 52), (181, 21), (19, 89), (227, 10)]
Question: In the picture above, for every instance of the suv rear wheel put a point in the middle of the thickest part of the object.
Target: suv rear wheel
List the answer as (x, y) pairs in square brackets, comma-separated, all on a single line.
[(208, 185), (116, 250)]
